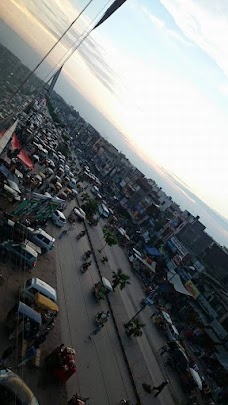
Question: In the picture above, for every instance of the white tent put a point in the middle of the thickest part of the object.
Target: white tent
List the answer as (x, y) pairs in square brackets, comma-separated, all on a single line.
[(175, 279)]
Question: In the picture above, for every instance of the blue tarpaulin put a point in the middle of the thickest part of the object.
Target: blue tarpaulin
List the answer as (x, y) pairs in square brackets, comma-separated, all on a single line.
[(152, 251)]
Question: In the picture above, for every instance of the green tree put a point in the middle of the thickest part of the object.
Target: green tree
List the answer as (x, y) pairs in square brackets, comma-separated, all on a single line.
[(110, 239), (120, 278), (85, 197), (90, 207), (63, 148), (134, 328)]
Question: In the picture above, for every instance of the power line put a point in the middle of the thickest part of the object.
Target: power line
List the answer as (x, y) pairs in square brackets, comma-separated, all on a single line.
[(50, 50)]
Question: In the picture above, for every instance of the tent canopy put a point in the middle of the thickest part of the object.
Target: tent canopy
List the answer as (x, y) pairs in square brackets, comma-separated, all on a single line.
[(152, 251), (174, 278)]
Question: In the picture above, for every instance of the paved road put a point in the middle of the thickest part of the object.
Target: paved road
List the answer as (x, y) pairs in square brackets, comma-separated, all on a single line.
[(152, 340), (102, 373)]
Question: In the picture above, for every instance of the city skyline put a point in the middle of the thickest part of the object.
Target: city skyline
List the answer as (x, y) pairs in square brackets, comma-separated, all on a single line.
[(125, 105)]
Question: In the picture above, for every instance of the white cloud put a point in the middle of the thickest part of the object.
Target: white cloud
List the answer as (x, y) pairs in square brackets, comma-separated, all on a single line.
[(160, 24), (205, 23)]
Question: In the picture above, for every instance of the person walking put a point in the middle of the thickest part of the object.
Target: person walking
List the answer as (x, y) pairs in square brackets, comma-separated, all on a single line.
[(71, 227), (63, 233), (159, 388), (98, 329)]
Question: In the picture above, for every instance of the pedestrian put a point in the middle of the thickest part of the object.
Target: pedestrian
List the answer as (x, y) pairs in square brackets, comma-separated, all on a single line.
[(159, 388), (63, 233), (98, 329), (71, 228)]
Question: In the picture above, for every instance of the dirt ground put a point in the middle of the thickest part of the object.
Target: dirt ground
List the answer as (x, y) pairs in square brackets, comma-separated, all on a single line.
[(47, 391)]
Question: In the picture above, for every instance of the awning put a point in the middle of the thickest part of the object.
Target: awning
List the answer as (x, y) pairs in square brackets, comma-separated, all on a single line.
[(174, 278), (22, 154), (223, 359), (144, 262), (152, 251)]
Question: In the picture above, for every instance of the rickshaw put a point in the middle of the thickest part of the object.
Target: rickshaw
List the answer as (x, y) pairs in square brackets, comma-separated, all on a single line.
[(102, 288), (22, 318), (61, 363), (46, 307)]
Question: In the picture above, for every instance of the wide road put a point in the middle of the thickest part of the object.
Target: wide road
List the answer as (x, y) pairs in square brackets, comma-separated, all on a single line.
[(102, 373), (152, 340)]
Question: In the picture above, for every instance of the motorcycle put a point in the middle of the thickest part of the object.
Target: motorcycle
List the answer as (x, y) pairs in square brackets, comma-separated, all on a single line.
[(87, 254), (85, 266), (102, 317), (80, 235)]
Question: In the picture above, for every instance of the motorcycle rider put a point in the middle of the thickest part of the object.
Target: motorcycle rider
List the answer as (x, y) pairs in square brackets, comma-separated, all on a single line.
[(86, 265), (87, 254)]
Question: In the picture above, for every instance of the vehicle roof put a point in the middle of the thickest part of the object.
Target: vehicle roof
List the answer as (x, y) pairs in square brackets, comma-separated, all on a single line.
[(60, 214), (44, 233), (29, 249), (17, 386), (46, 302), (29, 312), (44, 286)]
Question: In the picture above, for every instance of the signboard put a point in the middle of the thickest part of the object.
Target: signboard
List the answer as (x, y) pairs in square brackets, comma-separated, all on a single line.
[(190, 286), (219, 330), (207, 307), (182, 251), (198, 266)]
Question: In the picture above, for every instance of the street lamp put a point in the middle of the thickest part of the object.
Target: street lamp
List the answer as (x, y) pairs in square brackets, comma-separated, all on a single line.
[(146, 302)]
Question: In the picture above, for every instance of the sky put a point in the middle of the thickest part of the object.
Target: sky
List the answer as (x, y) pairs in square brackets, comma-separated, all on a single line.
[(156, 70)]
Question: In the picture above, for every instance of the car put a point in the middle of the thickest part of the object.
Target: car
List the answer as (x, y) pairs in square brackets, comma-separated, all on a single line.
[(20, 253), (42, 239), (13, 389), (36, 158), (80, 214), (58, 218), (72, 183)]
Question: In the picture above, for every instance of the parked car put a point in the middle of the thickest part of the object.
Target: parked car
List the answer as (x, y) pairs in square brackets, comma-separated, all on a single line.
[(58, 218), (20, 253), (10, 194), (19, 233), (79, 213), (42, 239), (13, 389), (72, 183), (34, 286)]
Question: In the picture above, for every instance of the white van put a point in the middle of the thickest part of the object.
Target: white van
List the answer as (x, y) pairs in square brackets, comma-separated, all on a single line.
[(34, 286), (42, 239), (103, 211), (58, 218)]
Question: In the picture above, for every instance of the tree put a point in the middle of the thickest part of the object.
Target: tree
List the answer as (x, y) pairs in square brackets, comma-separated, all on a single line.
[(90, 207), (109, 237), (120, 278), (134, 328), (63, 148), (85, 197)]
